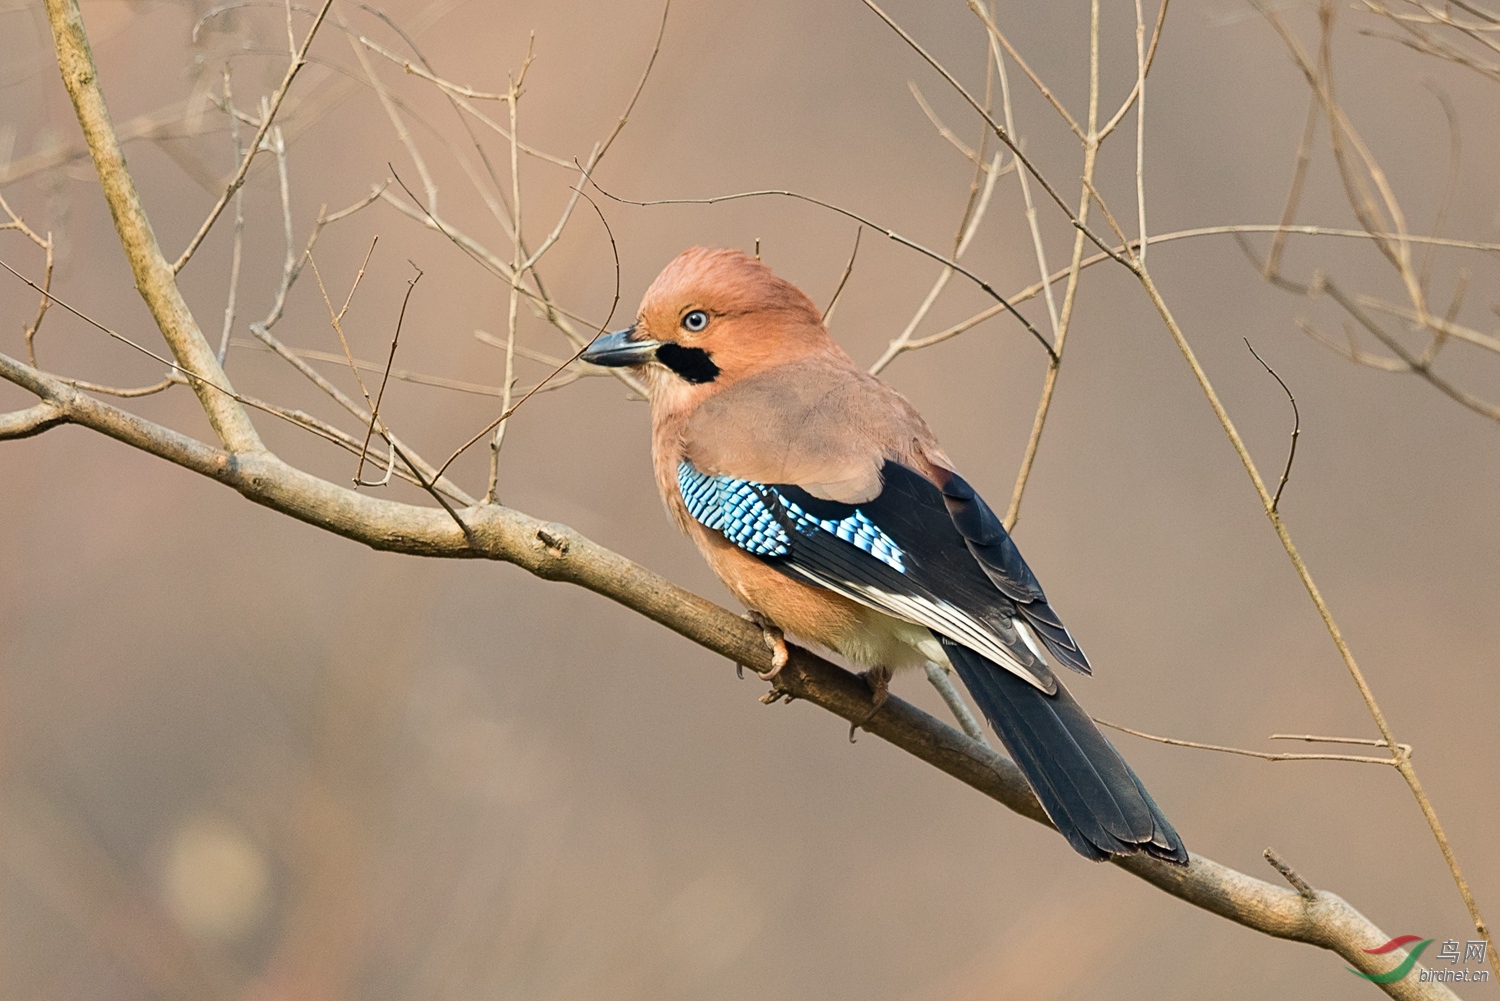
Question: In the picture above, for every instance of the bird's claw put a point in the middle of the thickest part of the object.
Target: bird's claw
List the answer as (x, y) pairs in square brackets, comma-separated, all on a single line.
[(879, 680), (775, 641)]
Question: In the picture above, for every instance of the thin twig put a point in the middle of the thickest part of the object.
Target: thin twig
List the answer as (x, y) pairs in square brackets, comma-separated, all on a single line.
[(274, 105), (237, 252), (1314, 738), (1291, 453), (954, 699), (518, 266), (997, 35), (844, 278), (401, 374), (974, 213), (1023, 178), (943, 129), (46, 246), (385, 377), (1070, 294), (1140, 130), (1124, 109), (126, 393), (1263, 755), (1302, 886), (1294, 192)]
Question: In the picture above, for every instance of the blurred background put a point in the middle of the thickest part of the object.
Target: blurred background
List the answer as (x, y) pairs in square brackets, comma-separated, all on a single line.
[(243, 758)]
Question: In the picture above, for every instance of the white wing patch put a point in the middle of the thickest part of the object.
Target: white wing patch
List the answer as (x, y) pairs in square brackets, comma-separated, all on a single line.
[(941, 617)]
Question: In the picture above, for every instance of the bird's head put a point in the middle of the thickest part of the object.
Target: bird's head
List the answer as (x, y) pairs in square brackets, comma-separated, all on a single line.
[(712, 318)]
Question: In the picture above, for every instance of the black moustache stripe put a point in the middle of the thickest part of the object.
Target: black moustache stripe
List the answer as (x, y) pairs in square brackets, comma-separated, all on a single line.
[(693, 364)]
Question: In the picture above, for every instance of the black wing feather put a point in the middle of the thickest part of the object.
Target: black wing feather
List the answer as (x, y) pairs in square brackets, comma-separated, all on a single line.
[(1087, 789), (996, 552)]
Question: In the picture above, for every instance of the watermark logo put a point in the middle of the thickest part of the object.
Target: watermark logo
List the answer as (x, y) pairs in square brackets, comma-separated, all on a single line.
[(1449, 950), (1401, 969)]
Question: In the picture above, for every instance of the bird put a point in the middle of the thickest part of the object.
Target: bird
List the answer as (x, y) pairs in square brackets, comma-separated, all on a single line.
[(822, 500)]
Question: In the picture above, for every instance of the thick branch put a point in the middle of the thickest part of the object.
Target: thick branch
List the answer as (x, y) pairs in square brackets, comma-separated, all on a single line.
[(556, 552)]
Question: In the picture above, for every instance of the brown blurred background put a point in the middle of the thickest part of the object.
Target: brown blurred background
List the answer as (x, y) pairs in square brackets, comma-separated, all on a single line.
[(243, 758)]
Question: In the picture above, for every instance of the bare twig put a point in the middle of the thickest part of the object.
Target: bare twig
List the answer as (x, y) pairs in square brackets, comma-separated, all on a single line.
[(1263, 755), (239, 222), (518, 266), (1140, 130), (435, 486), (461, 95), (843, 278), (298, 61), (385, 377), (1124, 109), (974, 213), (998, 36), (402, 374), (1074, 273), (1024, 179), (1302, 886), (127, 393), (45, 245), (1291, 453), (31, 421), (954, 699), (1313, 738), (943, 129)]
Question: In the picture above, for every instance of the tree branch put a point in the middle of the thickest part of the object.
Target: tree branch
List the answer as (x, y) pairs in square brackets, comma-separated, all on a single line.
[(31, 421), (154, 277), (556, 552)]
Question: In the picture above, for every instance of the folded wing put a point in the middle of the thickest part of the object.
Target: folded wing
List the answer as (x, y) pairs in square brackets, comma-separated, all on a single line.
[(936, 557)]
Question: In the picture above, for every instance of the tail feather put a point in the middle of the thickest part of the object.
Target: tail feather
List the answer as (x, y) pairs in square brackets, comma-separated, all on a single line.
[(1087, 789)]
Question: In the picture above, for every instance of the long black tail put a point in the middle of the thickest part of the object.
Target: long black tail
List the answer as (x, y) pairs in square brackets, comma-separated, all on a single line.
[(1085, 786)]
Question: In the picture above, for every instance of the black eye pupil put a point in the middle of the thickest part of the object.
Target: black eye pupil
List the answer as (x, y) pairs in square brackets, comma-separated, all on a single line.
[(696, 320)]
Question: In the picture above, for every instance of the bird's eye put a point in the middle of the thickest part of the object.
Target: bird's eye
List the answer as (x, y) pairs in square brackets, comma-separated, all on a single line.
[(695, 321)]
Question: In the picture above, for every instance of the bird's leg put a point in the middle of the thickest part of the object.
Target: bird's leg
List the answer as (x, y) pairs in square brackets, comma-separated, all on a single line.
[(879, 680), (775, 641)]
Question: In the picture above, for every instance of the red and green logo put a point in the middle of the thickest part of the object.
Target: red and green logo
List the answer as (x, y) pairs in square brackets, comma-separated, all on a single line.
[(1402, 968)]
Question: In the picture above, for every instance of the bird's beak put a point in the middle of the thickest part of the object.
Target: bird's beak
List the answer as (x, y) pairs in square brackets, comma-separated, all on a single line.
[(620, 350)]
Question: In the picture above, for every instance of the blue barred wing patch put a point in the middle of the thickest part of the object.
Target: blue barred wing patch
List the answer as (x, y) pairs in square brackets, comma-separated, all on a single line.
[(734, 507), (740, 510)]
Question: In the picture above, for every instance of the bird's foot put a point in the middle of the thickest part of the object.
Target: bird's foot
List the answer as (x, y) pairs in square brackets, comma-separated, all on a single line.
[(879, 680), (775, 641)]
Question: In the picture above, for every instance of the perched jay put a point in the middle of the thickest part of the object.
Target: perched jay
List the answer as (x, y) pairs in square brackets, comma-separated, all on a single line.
[(821, 498)]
